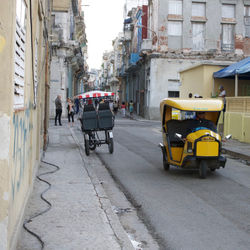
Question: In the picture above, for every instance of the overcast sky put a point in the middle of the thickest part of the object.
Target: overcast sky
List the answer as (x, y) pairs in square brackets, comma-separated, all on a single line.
[(104, 20)]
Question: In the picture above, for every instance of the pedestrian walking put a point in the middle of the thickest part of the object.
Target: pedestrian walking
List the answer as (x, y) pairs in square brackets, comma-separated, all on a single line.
[(223, 95), (131, 109), (115, 107), (189, 114), (123, 108), (111, 105), (71, 111), (77, 104), (58, 104)]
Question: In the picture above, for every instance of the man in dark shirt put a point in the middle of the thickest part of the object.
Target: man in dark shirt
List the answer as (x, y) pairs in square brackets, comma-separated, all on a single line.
[(202, 123), (58, 103)]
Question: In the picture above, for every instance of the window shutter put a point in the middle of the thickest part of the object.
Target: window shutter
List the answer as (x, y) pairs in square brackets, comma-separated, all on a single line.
[(19, 57)]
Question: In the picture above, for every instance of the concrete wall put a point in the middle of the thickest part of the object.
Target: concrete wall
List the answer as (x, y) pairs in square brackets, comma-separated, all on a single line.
[(164, 77), (237, 118), (59, 71), (199, 80), (21, 137), (159, 23), (58, 84)]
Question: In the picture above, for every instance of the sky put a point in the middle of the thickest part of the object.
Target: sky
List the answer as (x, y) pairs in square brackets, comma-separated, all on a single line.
[(104, 20)]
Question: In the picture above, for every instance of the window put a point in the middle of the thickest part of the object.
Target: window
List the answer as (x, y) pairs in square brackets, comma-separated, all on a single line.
[(227, 37), (19, 67), (173, 93), (228, 11), (247, 20), (175, 7), (199, 9), (174, 28), (198, 31)]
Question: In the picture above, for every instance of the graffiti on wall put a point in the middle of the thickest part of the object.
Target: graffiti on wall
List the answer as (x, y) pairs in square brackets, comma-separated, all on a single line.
[(21, 147)]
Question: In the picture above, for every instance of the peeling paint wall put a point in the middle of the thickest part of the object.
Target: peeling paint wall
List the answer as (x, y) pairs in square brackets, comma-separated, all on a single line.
[(21, 137), (161, 83)]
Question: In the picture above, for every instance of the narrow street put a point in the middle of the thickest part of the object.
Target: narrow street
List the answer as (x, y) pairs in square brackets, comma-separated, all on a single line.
[(180, 210)]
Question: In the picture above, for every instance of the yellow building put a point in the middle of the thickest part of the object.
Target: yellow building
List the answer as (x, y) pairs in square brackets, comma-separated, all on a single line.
[(24, 56), (198, 79)]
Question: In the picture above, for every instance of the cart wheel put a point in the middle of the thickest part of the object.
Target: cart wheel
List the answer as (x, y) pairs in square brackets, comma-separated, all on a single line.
[(203, 169), (111, 145), (87, 147), (92, 146)]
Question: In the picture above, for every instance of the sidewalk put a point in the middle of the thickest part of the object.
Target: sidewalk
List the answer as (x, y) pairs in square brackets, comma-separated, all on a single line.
[(81, 216), (237, 149)]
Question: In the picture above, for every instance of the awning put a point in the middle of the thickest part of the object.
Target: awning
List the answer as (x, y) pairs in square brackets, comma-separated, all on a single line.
[(241, 68), (95, 94)]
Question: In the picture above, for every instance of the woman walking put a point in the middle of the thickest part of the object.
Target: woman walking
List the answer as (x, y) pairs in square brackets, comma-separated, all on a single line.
[(131, 109), (123, 108), (71, 112)]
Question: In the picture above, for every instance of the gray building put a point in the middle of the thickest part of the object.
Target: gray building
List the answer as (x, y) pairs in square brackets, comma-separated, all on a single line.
[(69, 49), (180, 34)]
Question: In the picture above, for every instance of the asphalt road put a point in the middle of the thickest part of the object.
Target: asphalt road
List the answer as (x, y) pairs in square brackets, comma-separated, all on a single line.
[(184, 211)]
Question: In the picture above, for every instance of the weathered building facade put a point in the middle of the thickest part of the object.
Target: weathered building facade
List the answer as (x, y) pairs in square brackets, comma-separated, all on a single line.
[(69, 47), (181, 34), (24, 95)]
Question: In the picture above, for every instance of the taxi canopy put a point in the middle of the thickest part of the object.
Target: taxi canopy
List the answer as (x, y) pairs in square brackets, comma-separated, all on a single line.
[(197, 104), (212, 107)]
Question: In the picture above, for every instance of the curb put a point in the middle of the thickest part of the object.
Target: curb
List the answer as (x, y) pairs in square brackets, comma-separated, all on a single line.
[(236, 154)]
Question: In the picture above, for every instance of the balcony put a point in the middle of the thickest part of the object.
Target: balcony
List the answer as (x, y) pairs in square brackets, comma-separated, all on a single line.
[(127, 35), (134, 58), (146, 45)]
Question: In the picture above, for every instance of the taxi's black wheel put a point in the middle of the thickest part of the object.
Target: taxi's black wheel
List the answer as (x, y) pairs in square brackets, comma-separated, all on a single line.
[(87, 147), (165, 165), (212, 169), (203, 169), (111, 145)]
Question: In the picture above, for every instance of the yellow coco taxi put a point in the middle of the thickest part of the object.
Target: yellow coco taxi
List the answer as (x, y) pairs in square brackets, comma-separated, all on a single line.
[(193, 141)]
